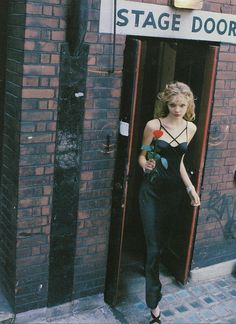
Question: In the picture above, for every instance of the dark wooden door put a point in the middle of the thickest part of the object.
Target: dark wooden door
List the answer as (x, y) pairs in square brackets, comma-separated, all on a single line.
[(130, 106), (178, 256)]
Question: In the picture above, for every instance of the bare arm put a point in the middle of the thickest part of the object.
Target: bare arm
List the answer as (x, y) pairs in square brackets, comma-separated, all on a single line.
[(184, 175), (195, 200), (147, 139)]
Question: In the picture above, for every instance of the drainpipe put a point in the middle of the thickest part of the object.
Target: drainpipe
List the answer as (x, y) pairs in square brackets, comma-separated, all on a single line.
[(77, 26), (114, 38)]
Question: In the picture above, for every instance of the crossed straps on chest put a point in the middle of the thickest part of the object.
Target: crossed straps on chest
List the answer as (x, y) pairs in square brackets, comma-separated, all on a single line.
[(174, 139)]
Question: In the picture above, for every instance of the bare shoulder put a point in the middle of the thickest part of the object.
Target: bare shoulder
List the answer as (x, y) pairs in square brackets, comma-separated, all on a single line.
[(149, 129), (192, 129), (152, 124)]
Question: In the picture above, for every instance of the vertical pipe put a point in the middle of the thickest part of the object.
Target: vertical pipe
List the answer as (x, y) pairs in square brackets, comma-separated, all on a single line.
[(114, 38)]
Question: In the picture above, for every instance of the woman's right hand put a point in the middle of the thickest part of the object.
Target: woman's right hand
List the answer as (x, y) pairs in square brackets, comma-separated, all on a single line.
[(149, 165)]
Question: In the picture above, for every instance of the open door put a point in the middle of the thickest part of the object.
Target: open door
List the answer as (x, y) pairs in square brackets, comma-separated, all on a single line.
[(130, 106), (178, 256)]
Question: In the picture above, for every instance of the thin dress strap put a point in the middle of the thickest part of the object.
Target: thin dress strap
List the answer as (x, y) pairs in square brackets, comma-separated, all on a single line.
[(187, 130)]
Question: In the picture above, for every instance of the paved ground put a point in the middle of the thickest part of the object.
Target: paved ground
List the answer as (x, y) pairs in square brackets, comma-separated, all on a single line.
[(213, 301)]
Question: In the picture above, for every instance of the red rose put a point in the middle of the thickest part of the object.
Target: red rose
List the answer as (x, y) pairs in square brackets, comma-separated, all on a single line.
[(157, 133)]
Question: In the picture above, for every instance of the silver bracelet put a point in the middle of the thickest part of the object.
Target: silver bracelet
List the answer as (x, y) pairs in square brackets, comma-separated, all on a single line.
[(189, 189)]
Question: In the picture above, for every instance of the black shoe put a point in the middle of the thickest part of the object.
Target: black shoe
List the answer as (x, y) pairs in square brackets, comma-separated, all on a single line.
[(155, 319)]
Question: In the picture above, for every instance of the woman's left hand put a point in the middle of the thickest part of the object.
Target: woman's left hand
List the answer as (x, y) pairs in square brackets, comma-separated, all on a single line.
[(195, 200)]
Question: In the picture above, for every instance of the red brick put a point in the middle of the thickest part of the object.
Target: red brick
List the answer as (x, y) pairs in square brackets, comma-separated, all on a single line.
[(51, 126), (58, 35), (46, 229), (42, 22), (45, 58), (55, 58), (36, 115), (49, 170), (83, 214), (230, 161), (34, 8), (87, 175), (39, 171), (37, 93), (47, 10), (222, 66), (35, 250), (52, 104), (233, 84), (50, 148), (229, 75), (34, 201), (227, 57), (91, 60), (41, 127), (29, 45), (45, 210), (47, 190), (43, 104), (96, 49), (54, 82), (38, 70), (232, 102), (58, 11), (224, 47), (30, 81), (47, 47), (224, 93), (62, 23), (31, 58), (32, 33), (44, 82), (91, 37), (232, 145)]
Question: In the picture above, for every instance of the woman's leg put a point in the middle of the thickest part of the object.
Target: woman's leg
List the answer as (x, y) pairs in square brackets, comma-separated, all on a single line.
[(150, 210)]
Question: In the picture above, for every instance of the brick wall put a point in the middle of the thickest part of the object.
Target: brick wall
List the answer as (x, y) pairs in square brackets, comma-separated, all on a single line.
[(36, 30), (44, 33), (101, 118), (216, 235)]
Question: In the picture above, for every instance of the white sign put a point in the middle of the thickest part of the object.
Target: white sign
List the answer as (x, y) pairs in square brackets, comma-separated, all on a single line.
[(124, 128), (144, 19)]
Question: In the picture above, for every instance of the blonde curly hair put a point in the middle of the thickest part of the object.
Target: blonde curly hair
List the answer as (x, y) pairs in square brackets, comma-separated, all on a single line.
[(173, 89)]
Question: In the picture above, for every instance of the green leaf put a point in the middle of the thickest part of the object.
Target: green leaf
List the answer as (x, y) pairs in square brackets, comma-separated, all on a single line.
[(164, 163)]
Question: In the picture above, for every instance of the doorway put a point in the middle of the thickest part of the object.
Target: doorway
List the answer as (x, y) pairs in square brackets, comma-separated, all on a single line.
[(148, 65)]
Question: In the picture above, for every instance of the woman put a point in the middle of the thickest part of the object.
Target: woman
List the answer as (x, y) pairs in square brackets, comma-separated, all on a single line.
[(165, 141)]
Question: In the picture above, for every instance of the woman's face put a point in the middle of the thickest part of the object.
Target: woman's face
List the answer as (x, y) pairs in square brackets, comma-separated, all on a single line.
[(178, 106)]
